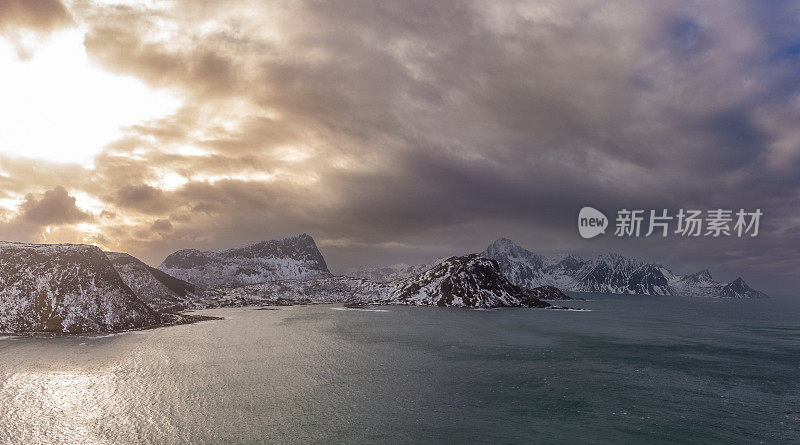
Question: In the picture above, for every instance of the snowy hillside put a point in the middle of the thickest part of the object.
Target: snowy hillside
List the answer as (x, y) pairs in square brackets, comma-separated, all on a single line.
[(295, 257), (466, 281), (65, 288), (159, 290)]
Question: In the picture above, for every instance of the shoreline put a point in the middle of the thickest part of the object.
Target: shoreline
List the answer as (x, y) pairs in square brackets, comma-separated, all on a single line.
[(176, 320), (187, 317)]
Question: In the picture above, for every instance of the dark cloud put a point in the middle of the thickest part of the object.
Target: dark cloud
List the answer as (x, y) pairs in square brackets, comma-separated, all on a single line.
[(143, 198), (53, 207), (161, 226), (38, 15)]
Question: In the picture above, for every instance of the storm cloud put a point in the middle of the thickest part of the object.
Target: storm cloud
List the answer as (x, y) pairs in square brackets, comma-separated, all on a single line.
[(403, 131)]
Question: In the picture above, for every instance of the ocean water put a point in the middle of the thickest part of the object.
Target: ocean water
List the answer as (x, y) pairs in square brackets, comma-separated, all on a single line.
[(635, 369)]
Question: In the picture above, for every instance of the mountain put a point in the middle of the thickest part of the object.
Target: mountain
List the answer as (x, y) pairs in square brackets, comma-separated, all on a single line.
[(739, 289), (293, 257), (615, 274), (697, 284), (607, 273), (157, 289), (466, 281), (65, 288)]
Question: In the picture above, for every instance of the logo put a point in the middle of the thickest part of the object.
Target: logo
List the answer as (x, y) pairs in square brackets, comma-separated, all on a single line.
[(591, 222), (686, 223)]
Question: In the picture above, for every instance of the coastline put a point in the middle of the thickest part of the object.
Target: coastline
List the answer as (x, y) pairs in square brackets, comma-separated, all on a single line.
[(175, 320)]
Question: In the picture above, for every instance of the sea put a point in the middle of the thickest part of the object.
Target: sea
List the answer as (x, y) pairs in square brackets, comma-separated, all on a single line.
[(631, 369)]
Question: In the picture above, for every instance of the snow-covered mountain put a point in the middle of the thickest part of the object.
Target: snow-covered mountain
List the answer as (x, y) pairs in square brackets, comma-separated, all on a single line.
[(739, 289), (465, 281), (607, 273), (468, 281), (65, 288), (295, 257), (157, 289)]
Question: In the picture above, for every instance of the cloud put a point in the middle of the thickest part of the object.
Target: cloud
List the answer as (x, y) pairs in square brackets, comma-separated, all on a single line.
[(53, 207), (22, 22), (161, 226), (141, 197), (37, 15)]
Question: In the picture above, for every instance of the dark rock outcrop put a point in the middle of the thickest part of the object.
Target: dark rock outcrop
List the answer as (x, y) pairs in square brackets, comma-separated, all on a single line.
[(547, 293)]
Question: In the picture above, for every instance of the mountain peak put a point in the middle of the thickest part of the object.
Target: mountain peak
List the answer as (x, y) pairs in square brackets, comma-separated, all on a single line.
[(739, 289), (292, 257), (699, 277), (463, 281), (502, 244), (503, 240), (506, 247), (739, 281)]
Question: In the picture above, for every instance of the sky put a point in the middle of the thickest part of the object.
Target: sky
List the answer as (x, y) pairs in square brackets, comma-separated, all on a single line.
[(401, 131)]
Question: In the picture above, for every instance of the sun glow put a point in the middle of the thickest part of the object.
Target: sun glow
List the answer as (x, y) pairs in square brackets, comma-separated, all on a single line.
[(58, 106), (169, 181)]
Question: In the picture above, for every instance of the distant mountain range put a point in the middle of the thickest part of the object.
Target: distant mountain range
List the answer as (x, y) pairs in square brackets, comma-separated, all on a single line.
[(607, 273), (293, 257), (73, 288), (465, 281)]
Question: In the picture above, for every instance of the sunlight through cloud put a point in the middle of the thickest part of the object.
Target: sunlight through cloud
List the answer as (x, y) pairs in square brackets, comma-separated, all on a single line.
[(58, 106)]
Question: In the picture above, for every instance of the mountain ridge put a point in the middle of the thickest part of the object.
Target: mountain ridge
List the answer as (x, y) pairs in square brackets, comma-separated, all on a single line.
[(290, 257), (468, 281), (608, 273)]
